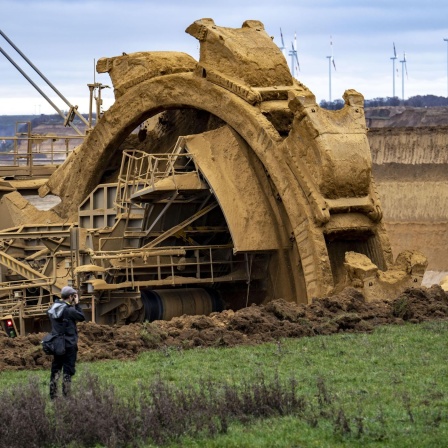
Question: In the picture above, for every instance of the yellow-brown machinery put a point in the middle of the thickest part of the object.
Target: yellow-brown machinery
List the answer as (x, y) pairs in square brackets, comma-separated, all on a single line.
[(209, 184)]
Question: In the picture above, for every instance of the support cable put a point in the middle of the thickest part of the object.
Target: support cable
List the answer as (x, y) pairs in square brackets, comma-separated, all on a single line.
[(72, 108)]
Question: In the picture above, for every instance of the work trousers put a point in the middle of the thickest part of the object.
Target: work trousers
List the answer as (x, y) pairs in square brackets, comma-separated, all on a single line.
[(66, 362)]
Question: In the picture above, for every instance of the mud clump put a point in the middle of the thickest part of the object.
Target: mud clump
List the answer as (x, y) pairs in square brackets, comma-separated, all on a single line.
[(345, 312), (412, 305)]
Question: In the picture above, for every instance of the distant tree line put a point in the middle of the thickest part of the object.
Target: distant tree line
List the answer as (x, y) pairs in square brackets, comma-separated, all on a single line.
[(413, 101)]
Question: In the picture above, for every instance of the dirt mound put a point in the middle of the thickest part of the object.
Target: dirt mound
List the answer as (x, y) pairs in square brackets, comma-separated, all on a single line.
[(345, 312)]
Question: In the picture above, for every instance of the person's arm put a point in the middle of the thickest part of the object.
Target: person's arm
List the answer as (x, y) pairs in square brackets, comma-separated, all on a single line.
[(80, 312), (75, 312)]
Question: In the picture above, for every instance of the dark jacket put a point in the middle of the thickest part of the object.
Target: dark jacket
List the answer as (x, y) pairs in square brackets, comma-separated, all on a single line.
[(64, 317)]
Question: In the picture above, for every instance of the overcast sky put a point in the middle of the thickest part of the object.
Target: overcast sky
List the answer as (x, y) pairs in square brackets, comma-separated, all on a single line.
[(63, 39)]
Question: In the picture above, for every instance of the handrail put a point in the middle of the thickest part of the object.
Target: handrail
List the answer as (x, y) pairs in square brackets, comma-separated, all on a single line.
[(155, 250), (39, 150), (141, 170), (204, 257)]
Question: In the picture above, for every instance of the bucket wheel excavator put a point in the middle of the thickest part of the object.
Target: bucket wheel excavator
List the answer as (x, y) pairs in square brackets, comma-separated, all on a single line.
[(209, 184)]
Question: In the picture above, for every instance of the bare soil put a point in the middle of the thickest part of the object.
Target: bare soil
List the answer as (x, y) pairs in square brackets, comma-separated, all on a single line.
[(345, 312)]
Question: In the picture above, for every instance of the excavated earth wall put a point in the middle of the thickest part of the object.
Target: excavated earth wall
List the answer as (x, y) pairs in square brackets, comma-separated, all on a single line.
[(410, 167)]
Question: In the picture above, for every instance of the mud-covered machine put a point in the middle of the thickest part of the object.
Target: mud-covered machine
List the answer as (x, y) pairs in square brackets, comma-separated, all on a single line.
[(209, 184)]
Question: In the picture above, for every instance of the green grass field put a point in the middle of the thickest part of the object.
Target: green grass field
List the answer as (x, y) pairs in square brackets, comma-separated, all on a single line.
[(384, 389)]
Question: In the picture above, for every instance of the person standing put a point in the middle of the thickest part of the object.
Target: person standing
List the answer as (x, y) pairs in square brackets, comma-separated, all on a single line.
[(64, 315)]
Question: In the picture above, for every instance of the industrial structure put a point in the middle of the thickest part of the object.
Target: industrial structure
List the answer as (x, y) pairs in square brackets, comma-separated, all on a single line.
[(208, 184)]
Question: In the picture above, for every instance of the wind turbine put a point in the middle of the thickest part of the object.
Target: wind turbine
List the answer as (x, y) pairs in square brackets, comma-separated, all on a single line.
[(282, 47), (330, 62), (393, 71), (294, 57), (403, 68)]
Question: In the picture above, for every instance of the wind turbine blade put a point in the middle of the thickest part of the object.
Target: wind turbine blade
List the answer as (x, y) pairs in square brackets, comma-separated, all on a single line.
[(395, 51), (281, 35), (294, 51), (331, 57), (297, 59), (405, 66)]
